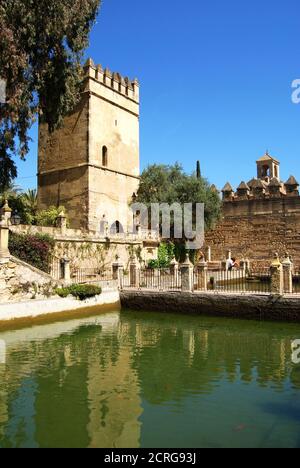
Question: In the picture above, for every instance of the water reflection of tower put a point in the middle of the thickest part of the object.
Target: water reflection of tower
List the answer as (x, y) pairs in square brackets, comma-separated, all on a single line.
[(113, 394)]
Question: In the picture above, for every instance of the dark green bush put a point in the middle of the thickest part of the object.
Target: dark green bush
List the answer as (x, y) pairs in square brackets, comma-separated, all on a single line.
[(63, 292), (33, 249), (80, 291)]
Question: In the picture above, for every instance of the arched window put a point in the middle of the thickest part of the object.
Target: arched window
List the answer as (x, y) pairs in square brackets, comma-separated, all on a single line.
[(104, 156), (117, 228), (266, 171)]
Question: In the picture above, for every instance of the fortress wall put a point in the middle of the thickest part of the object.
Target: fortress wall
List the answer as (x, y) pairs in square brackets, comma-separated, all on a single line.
[(255, 229), (68, 188)]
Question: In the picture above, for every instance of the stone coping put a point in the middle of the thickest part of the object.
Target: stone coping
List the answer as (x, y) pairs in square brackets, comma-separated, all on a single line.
[(29, 311)]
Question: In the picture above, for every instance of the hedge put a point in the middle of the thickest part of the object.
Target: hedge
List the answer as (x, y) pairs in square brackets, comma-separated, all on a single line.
[(80, 291)]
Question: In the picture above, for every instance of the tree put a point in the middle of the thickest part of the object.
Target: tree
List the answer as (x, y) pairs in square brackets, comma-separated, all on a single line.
[(41, 45), (15, 197), (30, 201), (169, 184)]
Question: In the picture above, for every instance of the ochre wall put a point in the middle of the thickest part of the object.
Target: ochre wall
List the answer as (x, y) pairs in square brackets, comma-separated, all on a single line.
[(68, 188), (70, 171), (255, 229), (62, 166), (114, 123)]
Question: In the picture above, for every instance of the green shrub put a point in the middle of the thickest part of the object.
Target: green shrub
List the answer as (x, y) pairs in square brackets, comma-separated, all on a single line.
[(166, 253), (63, 292), (48, 217), (33, 249), (80, 291)]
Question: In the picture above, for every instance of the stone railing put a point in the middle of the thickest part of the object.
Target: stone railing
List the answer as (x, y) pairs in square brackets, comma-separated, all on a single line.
[(66, 233), (186, 277)]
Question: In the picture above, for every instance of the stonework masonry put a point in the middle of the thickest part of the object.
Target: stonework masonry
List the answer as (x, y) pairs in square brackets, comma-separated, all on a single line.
[(260, 218), (21, 282), (242, 306), (91, 164), (90, 250), (255, 229)]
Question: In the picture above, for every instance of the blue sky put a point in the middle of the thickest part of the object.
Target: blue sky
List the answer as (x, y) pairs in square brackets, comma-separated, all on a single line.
[(215, 81)]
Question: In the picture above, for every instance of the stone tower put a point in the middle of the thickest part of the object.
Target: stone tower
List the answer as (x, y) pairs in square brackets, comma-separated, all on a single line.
[(91, 164), (268, 168)]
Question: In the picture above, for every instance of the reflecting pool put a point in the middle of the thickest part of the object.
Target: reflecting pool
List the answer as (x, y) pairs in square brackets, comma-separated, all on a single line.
[(137, 379)]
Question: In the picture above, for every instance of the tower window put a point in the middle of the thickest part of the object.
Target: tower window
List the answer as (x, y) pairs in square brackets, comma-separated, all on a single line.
[(266, 171), (104, 156)]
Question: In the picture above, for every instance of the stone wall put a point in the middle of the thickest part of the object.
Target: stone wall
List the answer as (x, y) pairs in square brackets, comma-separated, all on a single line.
[(286, 308), (255, 229), (91, 250), (72, 169), (62, 165), (21, 282)]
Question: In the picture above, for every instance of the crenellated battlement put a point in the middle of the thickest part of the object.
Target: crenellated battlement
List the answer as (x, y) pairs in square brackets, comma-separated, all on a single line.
[(266, 186), (258, 189), (113, 80), (259, 217)]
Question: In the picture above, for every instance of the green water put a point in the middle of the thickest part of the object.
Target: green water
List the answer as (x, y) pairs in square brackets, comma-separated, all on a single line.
[(149, 380)]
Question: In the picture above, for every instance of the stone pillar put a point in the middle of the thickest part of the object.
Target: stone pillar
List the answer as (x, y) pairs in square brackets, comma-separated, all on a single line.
[(4, 235), (187, 275), (208, 254), (6, 212), (202, 275), (276, 276), (174, 270), (174, 266), (287, 267), (228, 255), (134, 272), (67, 271), (118, 272), (245, 265), (61, 222)]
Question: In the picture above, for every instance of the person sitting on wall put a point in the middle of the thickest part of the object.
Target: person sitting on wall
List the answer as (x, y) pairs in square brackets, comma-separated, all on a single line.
[(232, 264), (235, 264)]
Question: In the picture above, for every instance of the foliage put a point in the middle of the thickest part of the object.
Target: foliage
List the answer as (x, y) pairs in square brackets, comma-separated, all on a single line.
[(166, 252), (26, 205), (33, 249), (48, 217), (30, 201), (170, 184), (80, 291), (41, 45), (13, 194)]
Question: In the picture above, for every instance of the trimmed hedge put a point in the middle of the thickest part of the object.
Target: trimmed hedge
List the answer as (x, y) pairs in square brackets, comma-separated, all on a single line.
[(33, 249), (80, 291)]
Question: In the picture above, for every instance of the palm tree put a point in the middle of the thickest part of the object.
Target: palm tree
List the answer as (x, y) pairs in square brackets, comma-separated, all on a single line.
[(30, 201), (12, 191)]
